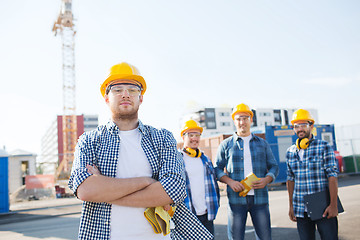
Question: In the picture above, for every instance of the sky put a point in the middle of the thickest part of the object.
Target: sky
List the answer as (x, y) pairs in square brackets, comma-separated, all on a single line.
[(267, 54)]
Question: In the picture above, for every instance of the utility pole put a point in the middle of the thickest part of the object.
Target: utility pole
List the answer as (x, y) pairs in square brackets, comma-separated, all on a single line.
[(65, 27)]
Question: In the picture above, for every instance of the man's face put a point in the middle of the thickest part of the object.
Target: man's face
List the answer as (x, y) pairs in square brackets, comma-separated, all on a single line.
[(191, 138), (124, 99), (242, 123), (303, 129)]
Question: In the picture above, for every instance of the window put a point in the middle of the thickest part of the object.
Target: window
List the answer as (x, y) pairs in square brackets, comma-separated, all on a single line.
[(277, 116), (265, 114), (224, 114), (210, 114), (90, 119), (90, 126), (224, 124), (210, 125)]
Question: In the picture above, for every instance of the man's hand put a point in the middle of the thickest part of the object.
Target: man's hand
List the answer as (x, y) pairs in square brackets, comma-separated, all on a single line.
[(291, 214), (331, 211), (262, 182), (153, 195), (167, 207), (236, 186), (93, 169)]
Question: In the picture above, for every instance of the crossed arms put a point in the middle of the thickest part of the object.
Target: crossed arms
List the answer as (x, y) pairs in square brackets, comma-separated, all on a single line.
[(132, 192), (102, 186)]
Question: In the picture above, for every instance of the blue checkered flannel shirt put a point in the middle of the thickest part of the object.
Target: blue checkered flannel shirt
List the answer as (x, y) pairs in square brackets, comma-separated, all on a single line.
[(212, 194), (311, 174), (230, 155), (101, 148)]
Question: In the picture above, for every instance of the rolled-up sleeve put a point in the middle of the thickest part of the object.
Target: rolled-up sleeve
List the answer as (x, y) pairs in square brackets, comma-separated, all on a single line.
[(82, 157), (330, 163), (220, 162), (289, 173), (272, 166)]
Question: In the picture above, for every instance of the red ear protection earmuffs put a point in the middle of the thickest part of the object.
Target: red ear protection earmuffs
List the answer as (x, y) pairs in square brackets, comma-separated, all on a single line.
[(192, 152)]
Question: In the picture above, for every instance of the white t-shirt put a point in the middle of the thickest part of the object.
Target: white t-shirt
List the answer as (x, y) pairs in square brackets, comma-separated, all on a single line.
[(129, 222), (248, 167), (195, 170), (301, 154)]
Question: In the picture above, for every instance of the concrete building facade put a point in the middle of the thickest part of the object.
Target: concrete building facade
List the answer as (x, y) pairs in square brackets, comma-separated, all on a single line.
[(217, 121)]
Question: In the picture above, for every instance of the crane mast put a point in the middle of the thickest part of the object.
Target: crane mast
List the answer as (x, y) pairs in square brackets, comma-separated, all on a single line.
[(65, 27)]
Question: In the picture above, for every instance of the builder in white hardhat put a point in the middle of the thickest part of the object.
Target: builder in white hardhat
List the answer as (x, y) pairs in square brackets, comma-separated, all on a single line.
[(125, 167), (242, 155), (311, 168), (203, 196)]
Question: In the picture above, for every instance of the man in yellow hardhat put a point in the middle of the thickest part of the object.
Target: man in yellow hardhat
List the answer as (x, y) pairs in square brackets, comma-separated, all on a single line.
[(124, 167), (311, 168), (244, 154), (202, 189)]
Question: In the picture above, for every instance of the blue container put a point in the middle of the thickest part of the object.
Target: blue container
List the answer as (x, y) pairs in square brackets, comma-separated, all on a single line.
[(281, 138), (4, 182)]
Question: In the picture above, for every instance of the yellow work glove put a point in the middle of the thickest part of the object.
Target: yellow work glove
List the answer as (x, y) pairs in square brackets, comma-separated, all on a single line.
[(150, 216), (248, 182), (159, 219)]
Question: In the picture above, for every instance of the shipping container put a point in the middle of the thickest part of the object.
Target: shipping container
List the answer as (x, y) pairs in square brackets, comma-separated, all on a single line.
[(4, 180), (282, 137)]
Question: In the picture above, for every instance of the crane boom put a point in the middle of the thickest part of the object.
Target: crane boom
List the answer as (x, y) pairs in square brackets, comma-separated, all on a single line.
[(65, 27)]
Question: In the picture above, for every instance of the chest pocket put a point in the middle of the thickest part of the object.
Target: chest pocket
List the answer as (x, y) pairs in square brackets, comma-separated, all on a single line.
[(294, 162), (315, 164), (260, 153), (229, 166)]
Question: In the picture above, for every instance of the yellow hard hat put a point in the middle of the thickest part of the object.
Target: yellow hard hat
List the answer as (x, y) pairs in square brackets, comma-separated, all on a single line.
[(302, 114), (191, 124), (241, 108), (123, 71)]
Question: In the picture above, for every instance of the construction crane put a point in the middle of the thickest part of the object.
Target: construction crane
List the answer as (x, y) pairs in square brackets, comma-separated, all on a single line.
[(64, 25)]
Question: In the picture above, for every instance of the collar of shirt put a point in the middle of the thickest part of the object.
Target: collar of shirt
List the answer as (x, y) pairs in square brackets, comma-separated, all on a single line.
[(237, 137), (113, 128)]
